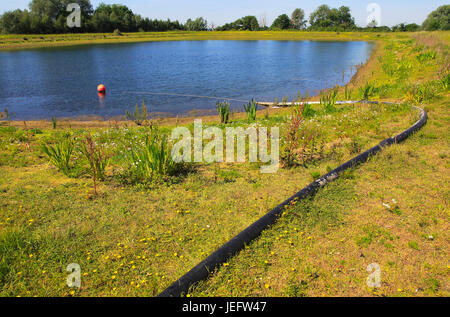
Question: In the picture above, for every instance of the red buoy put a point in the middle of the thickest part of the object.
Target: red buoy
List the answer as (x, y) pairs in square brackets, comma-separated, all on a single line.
[(101, 88)]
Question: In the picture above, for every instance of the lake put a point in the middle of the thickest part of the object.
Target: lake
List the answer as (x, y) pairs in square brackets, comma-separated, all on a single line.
[(172, 78)]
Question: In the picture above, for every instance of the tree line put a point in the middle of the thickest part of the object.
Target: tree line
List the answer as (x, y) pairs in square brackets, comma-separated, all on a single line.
[(325, 18), (50, 16)]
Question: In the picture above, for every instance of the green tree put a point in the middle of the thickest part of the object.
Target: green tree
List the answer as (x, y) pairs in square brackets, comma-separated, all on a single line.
[(298, 19), (282, 22), (101, 20), (438, 19), (108, 18), (198, 24), (11, 22), (49, 16), (403, 27), (45, 8), (325, 17), (321, 17), (249, 23), (54, 8), (344, 17)]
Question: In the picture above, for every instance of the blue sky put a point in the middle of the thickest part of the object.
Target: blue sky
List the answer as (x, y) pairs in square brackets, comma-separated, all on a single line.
[(222, 11)]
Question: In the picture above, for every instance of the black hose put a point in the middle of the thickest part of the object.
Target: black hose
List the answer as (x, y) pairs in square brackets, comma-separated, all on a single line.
[(203, 269)]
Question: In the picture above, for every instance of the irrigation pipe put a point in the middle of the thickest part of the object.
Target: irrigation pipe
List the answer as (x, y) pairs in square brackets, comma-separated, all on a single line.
[(203, 269)]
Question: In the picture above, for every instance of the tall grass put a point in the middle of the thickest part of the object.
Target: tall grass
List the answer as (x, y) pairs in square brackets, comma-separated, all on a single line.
[(5, 114), (98, 162), (419, 93), (348, 93), (54, 122), (289, 151), (426, 56), (250, 109), (12, 244), (445, 82), (367, 91), (308, 111), (328, 100), (154, 159), (139, 116), (224, 111), (60, 155)]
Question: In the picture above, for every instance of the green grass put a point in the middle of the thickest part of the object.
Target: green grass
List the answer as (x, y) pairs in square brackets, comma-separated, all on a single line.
[(60, 155), (321, 247), (251, 109), (12, 42), (138, 116), (134, 240), (223, 108), (190, 217)]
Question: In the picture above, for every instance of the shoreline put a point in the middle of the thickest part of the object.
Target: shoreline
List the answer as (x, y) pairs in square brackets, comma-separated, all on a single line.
[(93, 121), (16, 42), (122, 122)]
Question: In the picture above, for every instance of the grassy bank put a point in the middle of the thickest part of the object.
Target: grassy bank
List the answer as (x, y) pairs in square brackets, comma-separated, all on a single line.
[(11, 42), (392, 211), (134, 238)]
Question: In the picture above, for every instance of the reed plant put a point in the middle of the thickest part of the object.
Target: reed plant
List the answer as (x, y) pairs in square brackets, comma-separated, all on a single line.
[(5, 114), (139, 116), (60, 155), (154, 159), (367, 91), (445, 82), (348, 93), (308, 111), (251, 109), (328, 100), (224, 111)]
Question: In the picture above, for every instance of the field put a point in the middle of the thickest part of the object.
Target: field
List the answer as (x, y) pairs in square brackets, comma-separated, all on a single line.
[(135, 237)]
